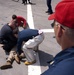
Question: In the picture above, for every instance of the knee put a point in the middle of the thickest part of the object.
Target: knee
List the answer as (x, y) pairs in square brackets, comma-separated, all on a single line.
[(24, 47)]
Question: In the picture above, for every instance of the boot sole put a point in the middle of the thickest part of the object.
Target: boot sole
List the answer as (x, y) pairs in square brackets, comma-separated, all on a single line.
[(6, 67)]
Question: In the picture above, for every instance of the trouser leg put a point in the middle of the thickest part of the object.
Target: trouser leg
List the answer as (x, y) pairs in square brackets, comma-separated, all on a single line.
[(29, 53), (10, 59), (28, 0), (48, 2), (9, 45), (7, 53), (49, 6), (12, 54), (23, 1), (36, 48), (50, 9), (30, 45), (9, 62)]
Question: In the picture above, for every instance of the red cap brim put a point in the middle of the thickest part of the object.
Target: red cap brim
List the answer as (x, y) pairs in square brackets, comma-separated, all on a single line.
[(51, 17)]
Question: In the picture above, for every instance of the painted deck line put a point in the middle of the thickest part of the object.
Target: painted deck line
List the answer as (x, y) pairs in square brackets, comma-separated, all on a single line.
[(30, 17), (47, 30), (35, 68)]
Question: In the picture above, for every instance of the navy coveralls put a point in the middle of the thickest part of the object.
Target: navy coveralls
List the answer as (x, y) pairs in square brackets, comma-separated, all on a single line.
[(62, 64)]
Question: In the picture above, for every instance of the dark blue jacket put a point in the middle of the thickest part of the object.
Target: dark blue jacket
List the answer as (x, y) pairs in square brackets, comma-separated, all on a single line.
[(62, 64), (25, 35)]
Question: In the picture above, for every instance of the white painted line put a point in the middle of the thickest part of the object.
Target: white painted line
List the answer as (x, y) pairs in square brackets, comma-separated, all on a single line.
[(47, 30), (30, 17), (35, 68)]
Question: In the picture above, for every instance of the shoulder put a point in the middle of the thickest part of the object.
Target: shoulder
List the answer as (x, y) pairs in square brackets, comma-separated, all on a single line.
[(5, 26), (20, 17), (64, 67)]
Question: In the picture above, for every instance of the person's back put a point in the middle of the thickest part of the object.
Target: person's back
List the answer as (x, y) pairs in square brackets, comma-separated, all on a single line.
[(27, 34), (6, 32), (7, 36)]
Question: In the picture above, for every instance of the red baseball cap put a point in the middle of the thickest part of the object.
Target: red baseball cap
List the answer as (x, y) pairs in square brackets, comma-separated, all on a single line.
[(64, 13)]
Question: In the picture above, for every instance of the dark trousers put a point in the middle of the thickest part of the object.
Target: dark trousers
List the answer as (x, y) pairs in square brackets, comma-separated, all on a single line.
[(25, 1), (8, 45), (49, 6)]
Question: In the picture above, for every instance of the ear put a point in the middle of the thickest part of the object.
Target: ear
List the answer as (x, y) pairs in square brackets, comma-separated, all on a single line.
[(60, 31)]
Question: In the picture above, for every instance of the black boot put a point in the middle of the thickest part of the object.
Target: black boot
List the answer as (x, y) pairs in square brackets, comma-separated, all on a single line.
[(7, 65)]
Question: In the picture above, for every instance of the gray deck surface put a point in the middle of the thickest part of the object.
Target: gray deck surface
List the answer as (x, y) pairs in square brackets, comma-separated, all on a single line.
[(49, 47)]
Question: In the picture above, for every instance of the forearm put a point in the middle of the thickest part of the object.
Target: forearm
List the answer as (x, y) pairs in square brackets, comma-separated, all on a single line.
[(19, 45)]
